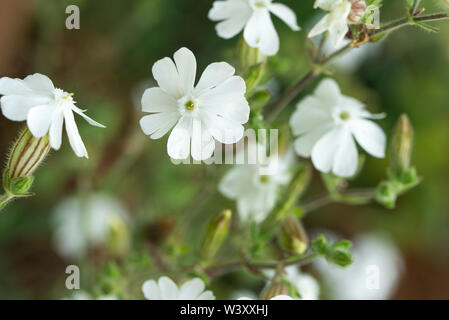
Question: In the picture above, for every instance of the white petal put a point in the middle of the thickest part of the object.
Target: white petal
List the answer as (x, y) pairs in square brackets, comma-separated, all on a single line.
[(338, 32), (178, 145), (191, 289), (234, 182), (186, 65), (222, 10), (74, 137), (215, 74), (309, 115), (56, 130), (10, 86), (166, 75), (282, 297), (89, 120), (370, 137), (320, 27), (346, 156), (328, 93), (227, 100), (305, 143), (231, 27), (151, 290), (169, 289), (39, 82), (323, 152), (158, 124), (39, 119), (224, 130), (252, 30), (157, 100), (269, 39), (203, 144), (206, 295), (16, 108), (327, 4), (285, 14)]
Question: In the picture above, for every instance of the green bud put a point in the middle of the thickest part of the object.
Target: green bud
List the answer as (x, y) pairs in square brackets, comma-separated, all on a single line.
[(337, 253), (401, 146), (387, 193), (216, 233), (26, 155), (119, 237), (276, 288), (249, 56), (293, 237)]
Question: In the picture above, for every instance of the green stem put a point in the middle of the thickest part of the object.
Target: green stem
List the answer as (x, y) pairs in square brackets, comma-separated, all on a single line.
[(4, 200), (276, 107)]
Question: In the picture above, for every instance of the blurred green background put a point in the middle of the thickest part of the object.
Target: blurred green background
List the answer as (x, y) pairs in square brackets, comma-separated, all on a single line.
[(107, 64)]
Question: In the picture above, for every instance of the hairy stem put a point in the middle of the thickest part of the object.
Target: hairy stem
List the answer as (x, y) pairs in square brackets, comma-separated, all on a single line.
[(4, 200), (276, 107)]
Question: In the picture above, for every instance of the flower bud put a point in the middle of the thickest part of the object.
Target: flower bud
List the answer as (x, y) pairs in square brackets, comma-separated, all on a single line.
[(25, 157), (358, 9), (293, 237), (216, 233), (401, 146), (249, 56), (276, 288)]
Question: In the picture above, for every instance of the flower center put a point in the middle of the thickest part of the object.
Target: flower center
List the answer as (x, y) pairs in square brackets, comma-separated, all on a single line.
[(260, 4), (264, 179), (190, 105), (345, 115)]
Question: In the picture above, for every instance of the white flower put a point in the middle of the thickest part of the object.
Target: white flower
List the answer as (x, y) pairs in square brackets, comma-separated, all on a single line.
[(306, 285), (254, 17), (374, 275), (81, 224), (279, 297), (256, 193), (342, 13), (45, 108), (166, 289), (215, 109), (327, 123)]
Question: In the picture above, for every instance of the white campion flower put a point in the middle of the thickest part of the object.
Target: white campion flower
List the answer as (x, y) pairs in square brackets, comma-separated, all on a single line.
[(327, 123), (45, 108), (306, 285), (166, 289), (341, 14), (254, 17), (255, 192), (84, 223), (374, 275), (215, 108)]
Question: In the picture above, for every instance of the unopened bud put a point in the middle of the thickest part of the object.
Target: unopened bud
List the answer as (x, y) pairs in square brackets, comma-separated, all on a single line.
[(293, 237), (26, 155), (401, 146), (249, 56), (216, 233), (358, 9), (276, 288)]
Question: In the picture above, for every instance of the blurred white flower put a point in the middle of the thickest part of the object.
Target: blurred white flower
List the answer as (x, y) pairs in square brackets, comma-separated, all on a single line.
[(279, 297), (327, 123), (254, 192), (374, 275), (45, 108), (166, 289), (306, 285), (341, 13), (83, 295), (215, 109), (252, 16), (84, 223)]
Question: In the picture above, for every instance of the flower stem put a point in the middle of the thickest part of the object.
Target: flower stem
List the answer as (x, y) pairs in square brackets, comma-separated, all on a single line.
[(4, 200), (276, 107)]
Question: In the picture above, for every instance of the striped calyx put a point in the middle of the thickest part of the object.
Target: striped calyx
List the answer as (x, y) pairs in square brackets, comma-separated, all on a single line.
[(25, 157)]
